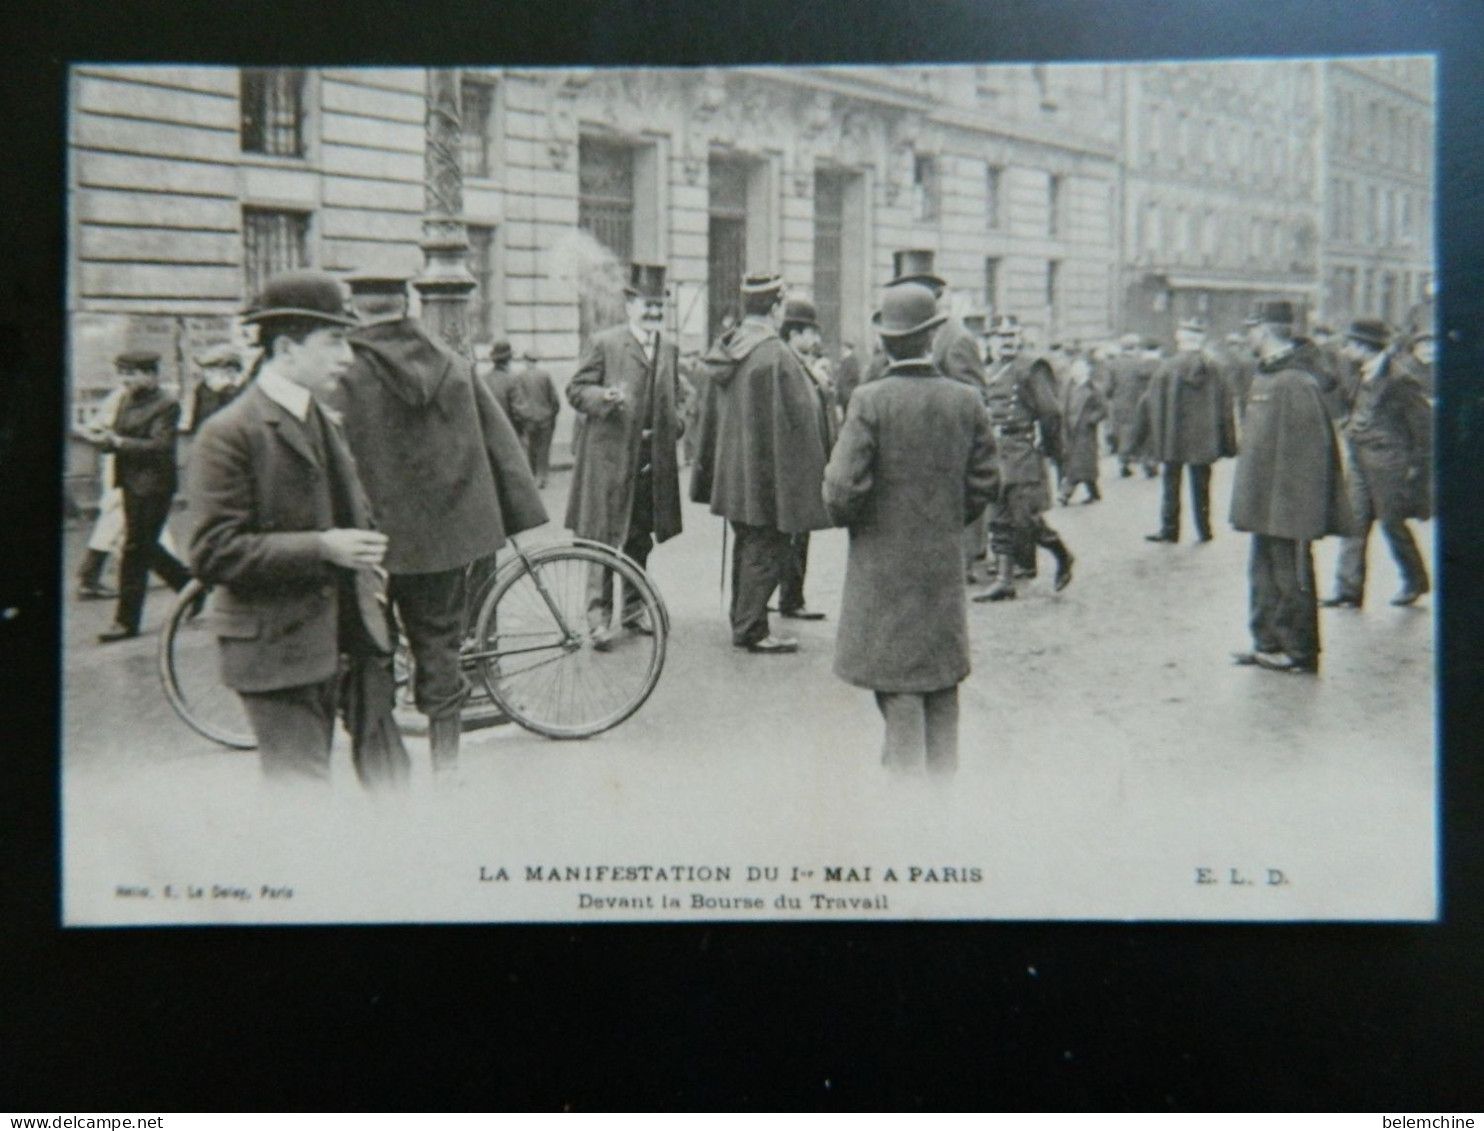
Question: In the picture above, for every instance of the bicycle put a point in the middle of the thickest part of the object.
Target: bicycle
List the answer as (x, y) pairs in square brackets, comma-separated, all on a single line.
[(532, 645)]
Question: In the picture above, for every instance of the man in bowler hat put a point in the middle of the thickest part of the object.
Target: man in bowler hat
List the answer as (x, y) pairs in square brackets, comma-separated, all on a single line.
[(800, 332), (534, 405), (283, 529)]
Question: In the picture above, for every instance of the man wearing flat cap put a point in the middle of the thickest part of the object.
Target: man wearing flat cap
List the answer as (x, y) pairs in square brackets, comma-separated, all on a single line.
[(626, 478), (761, 457), (914, 464), (447, 479), (1185, 421), (1289, 491), (1389, 433), (141, 439), (283, 530)]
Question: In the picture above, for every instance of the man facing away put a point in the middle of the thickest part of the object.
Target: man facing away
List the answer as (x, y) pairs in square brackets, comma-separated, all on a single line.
[(282, 528), (760, 461), (534, 405), (1185, 421), (447, 480), (1389, 433), (1289, 491), (626, 479)]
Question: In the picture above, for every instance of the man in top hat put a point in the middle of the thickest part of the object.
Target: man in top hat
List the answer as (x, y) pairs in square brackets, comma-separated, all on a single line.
[(626, 480), (1389, 433), (141, 439), (447, 479), (282, 528), (1128, 378), (800, 332), (1289, 491), (1185, 420), (761, 458), (534, 405), (1022, 401), (914, 464)]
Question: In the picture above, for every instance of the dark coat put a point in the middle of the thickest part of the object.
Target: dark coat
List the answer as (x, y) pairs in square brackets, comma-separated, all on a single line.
[(914, 464), (956, 355), (500, 384), (1185, 415), (1021, 396), (761, 456), (533, 398), (1128, 379), (1289, 483), (146, 424), (210, 401), (441, 463), (601, 503), (258, 499), (847, 377), (1390, 439), (1082, 409)]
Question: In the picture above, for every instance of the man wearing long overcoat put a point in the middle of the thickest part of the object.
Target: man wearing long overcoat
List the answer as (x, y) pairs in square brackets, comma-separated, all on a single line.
[(626, 482), (447, 479), (914, 463), (1289, 491), (761, 457), (1185, 421), (1129, 375), (1389, 434), (1082, 410)]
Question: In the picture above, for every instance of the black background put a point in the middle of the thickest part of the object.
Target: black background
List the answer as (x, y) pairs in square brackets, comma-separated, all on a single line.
[(1143, 1016)]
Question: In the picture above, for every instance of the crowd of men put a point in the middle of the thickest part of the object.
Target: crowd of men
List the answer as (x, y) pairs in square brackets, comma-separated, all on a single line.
[(357, 482)]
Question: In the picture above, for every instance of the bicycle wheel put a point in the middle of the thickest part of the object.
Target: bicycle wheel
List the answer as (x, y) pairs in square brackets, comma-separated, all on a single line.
[(551, 667), (190, 670)]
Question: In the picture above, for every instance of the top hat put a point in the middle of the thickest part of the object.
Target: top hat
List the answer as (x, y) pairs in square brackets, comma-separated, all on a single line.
[(915, 265), (376, 283), (762, 282), (908, 308), (138, 361), (1370, 331), (501, 351), (312, 295), (1005, 326), (646, 281), (1278, 311), (800, 312), (1195, 325), (224, 353)]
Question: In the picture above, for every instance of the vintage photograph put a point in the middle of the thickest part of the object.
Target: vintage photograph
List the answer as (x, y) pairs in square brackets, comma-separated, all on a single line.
[(751, 493)]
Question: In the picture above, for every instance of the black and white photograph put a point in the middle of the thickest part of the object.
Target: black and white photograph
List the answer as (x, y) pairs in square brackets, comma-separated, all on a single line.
[(750, 493)]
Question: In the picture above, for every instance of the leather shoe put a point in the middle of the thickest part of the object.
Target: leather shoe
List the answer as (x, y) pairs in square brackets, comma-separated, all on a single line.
[(1340, 603), (640, 624), (95, 593), (1160, 537), (1254, 659), (1283, 662), (772, 646), (1407, 597), (117, 632), (604, 638), (801, 614), (995, 593)]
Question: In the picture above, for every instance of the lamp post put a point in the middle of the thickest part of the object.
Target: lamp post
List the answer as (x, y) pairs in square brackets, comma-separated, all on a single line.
[(445, 284)]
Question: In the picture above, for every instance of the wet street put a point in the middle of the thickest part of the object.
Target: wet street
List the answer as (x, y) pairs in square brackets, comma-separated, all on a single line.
[(1114, 763)]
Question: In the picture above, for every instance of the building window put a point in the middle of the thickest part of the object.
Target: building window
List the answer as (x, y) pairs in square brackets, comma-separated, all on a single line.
[(991, 287), (993, 208), (1054, 206), (477, 104), (272, 241), (605, 196), (1151, 230), (272, 105), (925, 187), (484, 324)]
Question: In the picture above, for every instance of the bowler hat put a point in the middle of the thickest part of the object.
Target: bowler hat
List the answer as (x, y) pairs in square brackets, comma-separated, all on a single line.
[(501, 351), (800, 312), (760, 283), (1370, 331), (915, 265), (1279, 312), (138, 361), (312, 295), (1005, 326), (908, 308), (646, 280)]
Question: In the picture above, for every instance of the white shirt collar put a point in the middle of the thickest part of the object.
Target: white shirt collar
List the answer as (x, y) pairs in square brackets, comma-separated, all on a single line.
[(281, 391), (643, 337), (1371, 369)]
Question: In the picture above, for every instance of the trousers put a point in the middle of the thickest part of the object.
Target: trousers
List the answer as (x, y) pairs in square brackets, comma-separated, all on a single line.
[(1351, 570), (791, 586), (1016, 525), (537, 441), (1284, 605), (432, 609), (144, 518), (1200, 499), (921, 729), (638, 542), (760, 559)]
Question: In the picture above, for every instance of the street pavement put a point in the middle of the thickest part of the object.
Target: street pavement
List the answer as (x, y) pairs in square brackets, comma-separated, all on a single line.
[(1110, 750)]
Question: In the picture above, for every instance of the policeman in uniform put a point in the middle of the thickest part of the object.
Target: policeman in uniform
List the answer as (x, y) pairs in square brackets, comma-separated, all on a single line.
[(1021, 396)]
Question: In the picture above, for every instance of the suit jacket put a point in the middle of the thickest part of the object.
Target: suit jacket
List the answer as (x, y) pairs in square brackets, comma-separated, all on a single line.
[(259, 498), (1390, 437), (146, 425)]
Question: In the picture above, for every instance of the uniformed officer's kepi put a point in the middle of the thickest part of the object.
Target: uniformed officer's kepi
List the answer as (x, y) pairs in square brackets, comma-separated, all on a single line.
[(909, 308), (313, 295), (1006, 326)]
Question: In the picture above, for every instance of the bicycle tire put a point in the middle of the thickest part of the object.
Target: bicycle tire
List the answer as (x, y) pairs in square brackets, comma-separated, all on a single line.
[(190, 672), (549, 673)]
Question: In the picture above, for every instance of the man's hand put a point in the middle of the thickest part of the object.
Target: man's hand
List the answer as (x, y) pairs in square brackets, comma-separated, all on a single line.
[(353, 549)]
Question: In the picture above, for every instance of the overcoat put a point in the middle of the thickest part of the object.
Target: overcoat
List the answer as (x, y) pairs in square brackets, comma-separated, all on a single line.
[(442, 465), (533, 398), (1021, 395), (914, 464), (258, 499), (1390, 438), (1185, 416), (1289, 482), (146, 424), (1128, 378), (956, 355), (608, 447), (1082, 409), (761, 455)]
